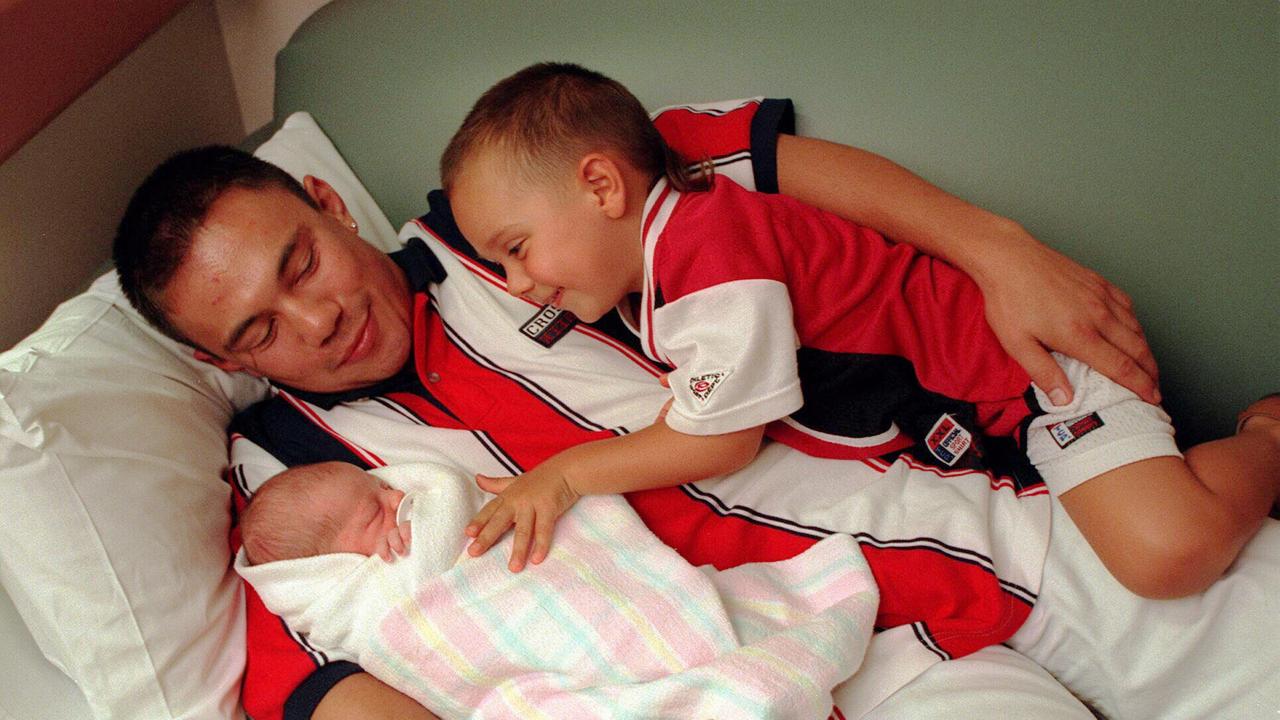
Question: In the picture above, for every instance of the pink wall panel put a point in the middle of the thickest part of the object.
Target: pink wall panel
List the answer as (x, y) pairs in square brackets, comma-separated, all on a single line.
[(53, 50)]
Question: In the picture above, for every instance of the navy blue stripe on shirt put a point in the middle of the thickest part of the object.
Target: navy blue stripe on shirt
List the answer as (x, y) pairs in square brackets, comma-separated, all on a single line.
[(302, 704), (774, 117)]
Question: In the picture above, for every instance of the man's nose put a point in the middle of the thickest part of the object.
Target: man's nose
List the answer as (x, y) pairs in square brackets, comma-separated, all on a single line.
[(317, 320)]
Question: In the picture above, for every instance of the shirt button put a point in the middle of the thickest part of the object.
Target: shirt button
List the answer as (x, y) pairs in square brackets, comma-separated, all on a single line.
[(433, 377)]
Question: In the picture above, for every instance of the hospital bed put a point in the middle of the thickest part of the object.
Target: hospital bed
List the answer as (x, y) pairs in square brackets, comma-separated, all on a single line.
[(1138, 139)]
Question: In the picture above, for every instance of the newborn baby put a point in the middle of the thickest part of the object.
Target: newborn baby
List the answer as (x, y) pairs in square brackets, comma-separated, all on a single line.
[(324, 508), (611, 624)]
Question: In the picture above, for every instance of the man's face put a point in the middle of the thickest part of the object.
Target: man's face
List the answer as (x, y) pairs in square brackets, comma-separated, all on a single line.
[(552, 239), (276, 287), (364, 506)]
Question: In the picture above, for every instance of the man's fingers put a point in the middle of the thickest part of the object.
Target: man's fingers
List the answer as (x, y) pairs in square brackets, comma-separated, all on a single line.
[(1125, 315), (1120, 296), (1125, 358), (1045, 372)]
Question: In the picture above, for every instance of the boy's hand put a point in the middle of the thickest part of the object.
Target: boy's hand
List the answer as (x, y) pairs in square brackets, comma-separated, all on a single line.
[(1039, 300), (665, 381), (395, 544), (532, 502)]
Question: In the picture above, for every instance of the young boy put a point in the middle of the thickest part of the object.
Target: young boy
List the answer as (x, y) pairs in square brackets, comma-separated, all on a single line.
[(783, 320), (613, 624)]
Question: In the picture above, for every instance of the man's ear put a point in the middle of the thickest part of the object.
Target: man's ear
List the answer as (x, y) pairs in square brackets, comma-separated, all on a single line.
[(221, 364), (602, 178), (328, 199)]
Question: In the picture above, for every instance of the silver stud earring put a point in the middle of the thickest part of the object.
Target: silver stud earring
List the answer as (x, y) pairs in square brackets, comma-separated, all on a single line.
[(354, 226)]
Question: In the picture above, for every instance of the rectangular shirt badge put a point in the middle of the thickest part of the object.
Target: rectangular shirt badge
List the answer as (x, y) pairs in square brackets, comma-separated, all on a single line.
[(548, 325), (947, 440), (1069, 431)]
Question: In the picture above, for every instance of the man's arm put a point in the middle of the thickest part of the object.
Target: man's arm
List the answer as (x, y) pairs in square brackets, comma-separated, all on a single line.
[(1035, 297), (364, 696)]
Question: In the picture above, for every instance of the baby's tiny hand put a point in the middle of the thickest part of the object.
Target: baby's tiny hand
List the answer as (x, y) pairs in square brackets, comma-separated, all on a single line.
[(395, 544)]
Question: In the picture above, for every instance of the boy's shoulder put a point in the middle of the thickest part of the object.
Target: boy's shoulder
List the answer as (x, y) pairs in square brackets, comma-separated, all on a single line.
[(729, 203)]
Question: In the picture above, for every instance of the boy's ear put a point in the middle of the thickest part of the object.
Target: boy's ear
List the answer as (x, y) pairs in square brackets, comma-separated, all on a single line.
[(605, 182), (328, 199)]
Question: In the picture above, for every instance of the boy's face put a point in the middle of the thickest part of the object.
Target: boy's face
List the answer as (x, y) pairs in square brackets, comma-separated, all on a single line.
[(291, 292), (554, 239), (364, 506)]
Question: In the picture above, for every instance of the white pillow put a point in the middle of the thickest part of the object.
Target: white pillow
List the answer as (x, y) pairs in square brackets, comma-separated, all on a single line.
[(113, 531), (302, 148)]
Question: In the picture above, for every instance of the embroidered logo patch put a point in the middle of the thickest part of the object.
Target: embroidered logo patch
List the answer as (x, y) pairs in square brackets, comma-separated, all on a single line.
[(703, 385), (947, 440), (1065, 433), (549, 324)]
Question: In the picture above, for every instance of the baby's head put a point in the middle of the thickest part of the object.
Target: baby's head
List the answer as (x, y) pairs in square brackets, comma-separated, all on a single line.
[(548, 176), (318, 509)]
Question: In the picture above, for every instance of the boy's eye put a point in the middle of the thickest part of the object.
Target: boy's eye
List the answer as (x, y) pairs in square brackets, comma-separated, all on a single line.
[(515, 249)]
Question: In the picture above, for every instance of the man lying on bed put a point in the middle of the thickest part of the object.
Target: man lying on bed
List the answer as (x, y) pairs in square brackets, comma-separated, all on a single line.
[(385, 360)]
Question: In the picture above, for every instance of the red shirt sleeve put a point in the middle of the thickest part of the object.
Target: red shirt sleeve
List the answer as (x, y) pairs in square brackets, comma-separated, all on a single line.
[(284, 677), (730, 132)]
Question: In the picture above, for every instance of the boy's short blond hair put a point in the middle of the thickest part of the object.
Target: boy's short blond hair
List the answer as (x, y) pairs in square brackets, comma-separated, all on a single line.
[(281, 523), (547, 116)]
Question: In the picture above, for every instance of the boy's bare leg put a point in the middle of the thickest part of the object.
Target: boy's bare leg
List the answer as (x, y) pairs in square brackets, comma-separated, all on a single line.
[(1166, 527)]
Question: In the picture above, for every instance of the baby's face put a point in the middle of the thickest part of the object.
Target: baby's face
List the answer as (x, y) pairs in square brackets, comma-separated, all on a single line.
[(364, 506)]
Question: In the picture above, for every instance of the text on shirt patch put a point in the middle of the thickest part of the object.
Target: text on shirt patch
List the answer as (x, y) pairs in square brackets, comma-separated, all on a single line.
[(549, 324), (947, 440), (703, 385), (1069, 431)]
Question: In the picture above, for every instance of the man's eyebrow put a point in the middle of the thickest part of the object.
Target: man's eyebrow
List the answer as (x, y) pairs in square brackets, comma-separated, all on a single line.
[(285, 256), (238, 333)]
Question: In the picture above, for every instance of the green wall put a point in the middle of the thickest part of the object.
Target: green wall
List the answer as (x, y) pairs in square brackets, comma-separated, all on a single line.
[(1140, 138)]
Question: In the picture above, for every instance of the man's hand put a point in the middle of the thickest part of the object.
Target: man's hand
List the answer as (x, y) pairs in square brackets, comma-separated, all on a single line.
[(1039, 300), (532, 502)]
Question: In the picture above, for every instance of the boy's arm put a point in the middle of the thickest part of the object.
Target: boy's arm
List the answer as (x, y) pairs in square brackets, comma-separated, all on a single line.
[(654, 457), (364, 696), (1035, 297)]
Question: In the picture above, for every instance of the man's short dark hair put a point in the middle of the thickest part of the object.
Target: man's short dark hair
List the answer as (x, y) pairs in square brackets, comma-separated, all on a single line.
[(155, 234)]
